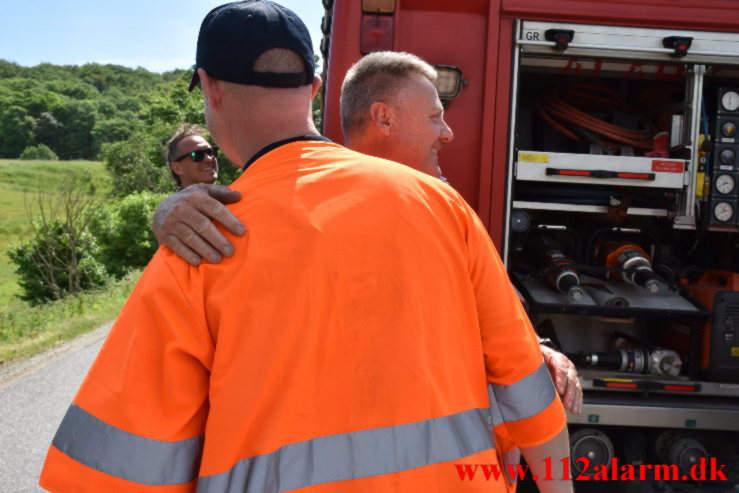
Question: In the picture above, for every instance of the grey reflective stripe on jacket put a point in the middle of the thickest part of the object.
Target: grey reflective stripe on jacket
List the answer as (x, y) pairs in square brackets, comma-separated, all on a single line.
[(108, 449), (523, 399), (358, 454), (520, 400), (330, 458)]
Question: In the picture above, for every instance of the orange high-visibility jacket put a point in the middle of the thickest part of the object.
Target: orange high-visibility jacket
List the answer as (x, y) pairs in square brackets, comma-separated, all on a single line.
[(347, 346)]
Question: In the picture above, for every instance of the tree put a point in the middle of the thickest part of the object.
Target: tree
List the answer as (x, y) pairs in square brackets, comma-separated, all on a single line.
[(316, 106), (37, 100), (48, 130), (173, 104), (113, 130), (60, 259), (137, 165), (117, 103), (227, 172), (9, 69), (78, 119), (317, 103), (73, 89), (16, 131), (49, 71)]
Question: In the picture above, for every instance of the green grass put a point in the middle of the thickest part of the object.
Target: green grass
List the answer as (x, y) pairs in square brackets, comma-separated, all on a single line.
[(20, 181), (25, 331), (32, 176), (14, 227)]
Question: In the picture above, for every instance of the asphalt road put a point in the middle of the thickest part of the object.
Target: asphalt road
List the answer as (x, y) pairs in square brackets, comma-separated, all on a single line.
[(34, 395)]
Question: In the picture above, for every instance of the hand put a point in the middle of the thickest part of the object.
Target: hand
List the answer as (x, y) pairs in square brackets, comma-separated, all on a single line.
[(565, 379), (183, 222)]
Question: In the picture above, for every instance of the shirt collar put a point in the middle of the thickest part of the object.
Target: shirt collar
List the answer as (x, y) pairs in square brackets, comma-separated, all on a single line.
[(281, 143)]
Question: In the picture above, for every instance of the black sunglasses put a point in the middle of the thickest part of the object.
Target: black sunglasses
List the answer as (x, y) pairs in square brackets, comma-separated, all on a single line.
[(199, 155)]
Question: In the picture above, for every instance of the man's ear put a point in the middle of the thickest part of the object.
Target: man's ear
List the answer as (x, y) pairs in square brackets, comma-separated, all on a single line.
[(381, 117), (316, 86), (176, 168), (212, 89)]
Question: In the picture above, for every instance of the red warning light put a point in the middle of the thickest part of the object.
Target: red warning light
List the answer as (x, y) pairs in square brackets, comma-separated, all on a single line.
[(376, 33)]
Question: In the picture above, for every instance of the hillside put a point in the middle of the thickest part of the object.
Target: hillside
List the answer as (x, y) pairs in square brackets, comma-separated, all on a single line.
[(74, 110)]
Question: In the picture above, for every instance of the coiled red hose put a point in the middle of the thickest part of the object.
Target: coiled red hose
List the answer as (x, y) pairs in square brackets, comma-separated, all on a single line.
[(565, 109)]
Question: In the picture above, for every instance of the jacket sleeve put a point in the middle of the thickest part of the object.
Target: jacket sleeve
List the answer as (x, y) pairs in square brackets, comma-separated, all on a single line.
[(522, 395), (137, 421)]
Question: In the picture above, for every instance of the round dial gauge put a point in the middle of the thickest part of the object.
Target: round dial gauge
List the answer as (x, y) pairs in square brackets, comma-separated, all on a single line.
[(520, 220), (727, 156), (725, 184), (723, 211), (728, 129), (730, 101)]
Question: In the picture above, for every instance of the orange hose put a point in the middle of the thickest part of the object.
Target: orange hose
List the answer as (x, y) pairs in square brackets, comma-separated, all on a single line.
[(553, 123), (566, 107)]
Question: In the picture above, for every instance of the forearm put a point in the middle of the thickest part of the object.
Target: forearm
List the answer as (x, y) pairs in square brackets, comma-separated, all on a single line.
[(158, 219), (547, 463)]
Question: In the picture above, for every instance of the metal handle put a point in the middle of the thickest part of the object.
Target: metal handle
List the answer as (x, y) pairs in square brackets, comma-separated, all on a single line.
[(641, 49), (598, 173)]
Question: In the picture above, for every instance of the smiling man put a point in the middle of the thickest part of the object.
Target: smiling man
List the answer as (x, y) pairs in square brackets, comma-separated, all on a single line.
[(191, 158), (390, 109)]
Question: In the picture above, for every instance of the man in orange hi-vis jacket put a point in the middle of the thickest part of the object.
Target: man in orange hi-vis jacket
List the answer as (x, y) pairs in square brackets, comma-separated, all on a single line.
[(387, 110), (319, 357)]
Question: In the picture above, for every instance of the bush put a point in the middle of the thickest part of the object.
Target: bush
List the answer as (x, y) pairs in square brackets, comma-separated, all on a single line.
[(123, 231), (38, 153), (60, 258), (43, 263)]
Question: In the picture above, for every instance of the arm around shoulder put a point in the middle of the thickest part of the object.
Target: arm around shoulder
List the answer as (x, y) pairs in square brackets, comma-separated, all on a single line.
[(184, 222)]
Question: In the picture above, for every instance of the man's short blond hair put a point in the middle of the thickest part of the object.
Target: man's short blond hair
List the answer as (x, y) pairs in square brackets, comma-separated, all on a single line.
[(376, 77), (279, 61)]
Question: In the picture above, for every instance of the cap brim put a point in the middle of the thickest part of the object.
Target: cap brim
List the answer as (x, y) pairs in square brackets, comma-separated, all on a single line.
[(194, 82)]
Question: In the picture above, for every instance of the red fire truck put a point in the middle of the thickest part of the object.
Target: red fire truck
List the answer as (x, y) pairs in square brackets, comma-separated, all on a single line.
[(598, 142)]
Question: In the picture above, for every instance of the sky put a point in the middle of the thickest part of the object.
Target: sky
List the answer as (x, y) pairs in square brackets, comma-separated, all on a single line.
[(159, 35)]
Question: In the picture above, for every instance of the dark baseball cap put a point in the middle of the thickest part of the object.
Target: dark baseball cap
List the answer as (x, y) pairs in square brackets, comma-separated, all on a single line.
[(234, 35)]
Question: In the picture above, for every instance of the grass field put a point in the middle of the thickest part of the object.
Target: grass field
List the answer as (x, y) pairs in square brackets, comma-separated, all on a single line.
[(20, 181)]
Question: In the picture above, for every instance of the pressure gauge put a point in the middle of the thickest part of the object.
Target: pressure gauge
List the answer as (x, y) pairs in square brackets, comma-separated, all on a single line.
[(520, 220), (730, 101), (725, 184), (727, 156), (728, 129), (723, 212)]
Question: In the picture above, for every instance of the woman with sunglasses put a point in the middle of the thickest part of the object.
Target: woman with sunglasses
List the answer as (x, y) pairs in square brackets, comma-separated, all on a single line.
[(191, 158)]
